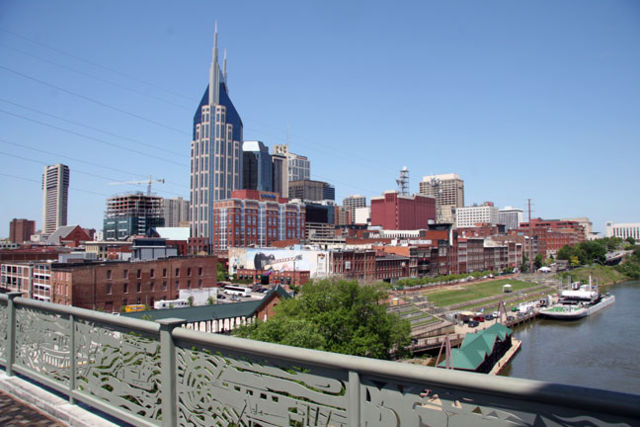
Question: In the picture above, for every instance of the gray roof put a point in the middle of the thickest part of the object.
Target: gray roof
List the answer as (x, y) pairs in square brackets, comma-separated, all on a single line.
[(208, 312), (62, 231)]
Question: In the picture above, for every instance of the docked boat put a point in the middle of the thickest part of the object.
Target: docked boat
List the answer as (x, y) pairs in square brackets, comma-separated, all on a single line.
[(578, 303)]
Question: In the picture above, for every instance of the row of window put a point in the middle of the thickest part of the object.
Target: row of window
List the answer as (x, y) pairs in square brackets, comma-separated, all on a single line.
[(125, 273), (125, 286)]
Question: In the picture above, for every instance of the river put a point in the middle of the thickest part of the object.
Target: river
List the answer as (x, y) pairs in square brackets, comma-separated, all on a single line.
[(600, 351)]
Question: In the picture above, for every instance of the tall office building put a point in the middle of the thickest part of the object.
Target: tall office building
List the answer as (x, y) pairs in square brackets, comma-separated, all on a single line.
[(312, 191), (448, 190), (470, 216), (55, 195), (216, 149), (257, 167), (280, 174), (353, 202), (299, 166), (175, 211)]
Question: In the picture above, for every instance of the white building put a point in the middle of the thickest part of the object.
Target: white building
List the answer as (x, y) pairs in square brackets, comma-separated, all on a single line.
[(362, 216), (511, 217), (55, 195), (175, 211), (469, 216), (622, 230)]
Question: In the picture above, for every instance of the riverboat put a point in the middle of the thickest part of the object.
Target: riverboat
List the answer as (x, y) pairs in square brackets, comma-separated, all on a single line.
[(578, 303)]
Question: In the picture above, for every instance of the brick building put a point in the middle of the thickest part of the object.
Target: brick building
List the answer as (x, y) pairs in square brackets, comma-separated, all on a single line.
[(33, 279), (354, 264), (553, 234), (110, 286), (255, 218), (394, 211), (20, 230)]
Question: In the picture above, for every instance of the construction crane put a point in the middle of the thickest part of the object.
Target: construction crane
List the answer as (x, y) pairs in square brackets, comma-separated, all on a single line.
[(146, 181)]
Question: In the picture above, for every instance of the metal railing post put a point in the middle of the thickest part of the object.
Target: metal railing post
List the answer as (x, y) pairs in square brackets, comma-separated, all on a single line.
[(354, 399), (11, 331), (72, 358), (168, 371)]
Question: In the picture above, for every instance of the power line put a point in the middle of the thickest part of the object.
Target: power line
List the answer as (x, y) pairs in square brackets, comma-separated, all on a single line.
[(75, 159), (95, 101), (95, 64), (40, 183), (100, 79), (73, 122), (146, 154)]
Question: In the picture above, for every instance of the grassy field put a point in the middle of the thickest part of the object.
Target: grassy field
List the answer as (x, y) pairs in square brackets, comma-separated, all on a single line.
[(474, 291), (599, 273)]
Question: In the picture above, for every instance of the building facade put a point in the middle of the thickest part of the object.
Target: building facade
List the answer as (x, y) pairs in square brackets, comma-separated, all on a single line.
[(132, 214), (448, 190), (299, 167), (511, 217), (312, 191), (55, 197), (33, 279), (216, 149), (20, 230), (280, 174), (254, 218), (257, 167), (471, 216), (175, 212), (393, 211), (109, 286), (622, 230)]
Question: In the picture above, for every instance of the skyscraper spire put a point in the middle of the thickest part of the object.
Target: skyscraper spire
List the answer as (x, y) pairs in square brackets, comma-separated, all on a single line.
[(224, 67), (214, 77)]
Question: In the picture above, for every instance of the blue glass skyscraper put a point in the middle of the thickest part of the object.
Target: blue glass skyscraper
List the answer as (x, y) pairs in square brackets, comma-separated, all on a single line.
[(216, 149), (257, 167)]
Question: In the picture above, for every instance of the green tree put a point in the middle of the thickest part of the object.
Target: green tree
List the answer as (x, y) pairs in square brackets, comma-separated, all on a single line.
[(565, 252), (631, 240), (524, 267), (190, 301), (338, 316), (537, 261)]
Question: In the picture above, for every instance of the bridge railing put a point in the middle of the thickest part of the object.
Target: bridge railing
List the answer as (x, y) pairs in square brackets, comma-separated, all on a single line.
[(147, 373)]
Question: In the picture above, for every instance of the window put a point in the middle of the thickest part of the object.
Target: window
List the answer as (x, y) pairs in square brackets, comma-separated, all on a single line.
[(164, 272), (177, 284), (138, 274), (125, 288), (164, 285), (199, 271), (108, 290), (138, 287), (151, 273), (188, 284), (125, 273), (189, 271), (177, 272), (151, 286), (108, 274)]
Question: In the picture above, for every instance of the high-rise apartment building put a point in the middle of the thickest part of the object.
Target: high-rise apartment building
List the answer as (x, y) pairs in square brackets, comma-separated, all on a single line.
[(470, 216), (216, 149), (55, 195), (257, 167), (448, 190), (20, 230), (175, 211), (132, 214), (280, 174), (511, 217), (299, 166)]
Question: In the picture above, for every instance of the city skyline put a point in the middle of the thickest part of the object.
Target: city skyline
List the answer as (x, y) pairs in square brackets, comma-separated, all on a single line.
[(521, 100)]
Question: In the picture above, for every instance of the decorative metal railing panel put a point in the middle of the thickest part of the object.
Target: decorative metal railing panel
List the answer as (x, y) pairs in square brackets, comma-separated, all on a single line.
[(120, 367), (4, 323), (149, 374), (43, 343), (232, 388)]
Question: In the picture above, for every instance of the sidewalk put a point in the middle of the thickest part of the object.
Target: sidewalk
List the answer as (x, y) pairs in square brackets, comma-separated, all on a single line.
[(25, 404)]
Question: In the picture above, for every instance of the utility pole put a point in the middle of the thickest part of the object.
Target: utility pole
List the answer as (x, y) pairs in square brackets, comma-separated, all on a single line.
[(530, 239)]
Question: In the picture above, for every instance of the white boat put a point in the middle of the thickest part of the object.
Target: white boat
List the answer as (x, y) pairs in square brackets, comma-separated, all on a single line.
[(578, 303)]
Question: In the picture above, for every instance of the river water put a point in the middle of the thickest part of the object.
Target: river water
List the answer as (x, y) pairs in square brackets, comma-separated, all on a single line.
[(600, 351)]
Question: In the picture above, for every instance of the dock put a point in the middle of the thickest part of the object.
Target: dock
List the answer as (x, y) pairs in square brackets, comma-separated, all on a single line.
[(506, 358)]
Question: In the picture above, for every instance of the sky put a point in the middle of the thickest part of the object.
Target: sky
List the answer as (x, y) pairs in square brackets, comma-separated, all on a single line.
[(524, 100)]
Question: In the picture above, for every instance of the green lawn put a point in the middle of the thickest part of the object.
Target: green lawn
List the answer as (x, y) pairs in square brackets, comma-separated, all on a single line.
[(475, 291)]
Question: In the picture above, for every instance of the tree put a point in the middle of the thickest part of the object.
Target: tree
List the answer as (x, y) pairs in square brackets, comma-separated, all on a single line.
[(524, 267), (190, 301), (537, 261), (631, 240), (338, 316)]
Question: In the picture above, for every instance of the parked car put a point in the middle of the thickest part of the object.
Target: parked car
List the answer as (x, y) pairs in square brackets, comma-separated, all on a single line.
[(473, 323), (478, 318), (488, 316), (510, 318)]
